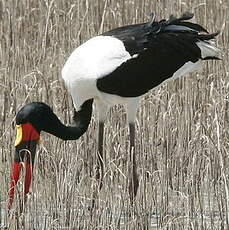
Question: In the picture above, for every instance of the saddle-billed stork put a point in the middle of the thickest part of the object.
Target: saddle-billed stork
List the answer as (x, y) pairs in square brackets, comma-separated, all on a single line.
[(116, 67)]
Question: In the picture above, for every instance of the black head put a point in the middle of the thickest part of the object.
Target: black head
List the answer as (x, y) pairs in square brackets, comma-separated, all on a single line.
[(30, 121), (38, 114)]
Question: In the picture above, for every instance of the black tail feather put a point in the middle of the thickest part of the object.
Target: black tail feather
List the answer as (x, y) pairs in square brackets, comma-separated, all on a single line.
[(207, 37), (191, 25), (180, 21)]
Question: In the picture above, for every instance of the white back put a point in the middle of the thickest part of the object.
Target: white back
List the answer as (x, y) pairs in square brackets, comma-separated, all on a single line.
[(95, 58)]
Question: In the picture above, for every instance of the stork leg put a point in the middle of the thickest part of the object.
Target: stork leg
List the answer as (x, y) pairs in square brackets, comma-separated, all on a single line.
[(133, 177), (100, 166), (131, 108), (99, 171)]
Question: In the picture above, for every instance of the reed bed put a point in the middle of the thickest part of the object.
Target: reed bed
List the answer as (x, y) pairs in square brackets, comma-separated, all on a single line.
[(182, 126)]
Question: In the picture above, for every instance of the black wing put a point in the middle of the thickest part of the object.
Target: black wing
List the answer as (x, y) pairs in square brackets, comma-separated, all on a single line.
[(159, 49)]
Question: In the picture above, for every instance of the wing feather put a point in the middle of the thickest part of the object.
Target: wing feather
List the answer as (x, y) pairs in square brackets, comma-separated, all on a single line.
[(158, 49)]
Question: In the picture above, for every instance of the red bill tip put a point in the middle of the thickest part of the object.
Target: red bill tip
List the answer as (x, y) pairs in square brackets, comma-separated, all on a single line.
[(28, 177), (16, 169), (25, 149)]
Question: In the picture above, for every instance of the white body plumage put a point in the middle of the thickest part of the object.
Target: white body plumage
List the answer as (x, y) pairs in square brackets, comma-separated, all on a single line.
[(97, 58)]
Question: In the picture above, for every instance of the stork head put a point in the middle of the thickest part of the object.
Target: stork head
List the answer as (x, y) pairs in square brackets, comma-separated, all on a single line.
[(30, 120)]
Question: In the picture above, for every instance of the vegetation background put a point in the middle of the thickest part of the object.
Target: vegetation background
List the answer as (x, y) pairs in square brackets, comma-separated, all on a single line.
[(182, 127)]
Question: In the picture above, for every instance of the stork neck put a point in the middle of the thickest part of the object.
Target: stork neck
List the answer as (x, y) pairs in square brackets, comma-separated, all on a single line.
[(81, 120)]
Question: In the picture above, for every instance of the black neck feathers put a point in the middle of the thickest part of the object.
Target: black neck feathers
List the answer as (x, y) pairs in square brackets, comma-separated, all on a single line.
[(42, 118)]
